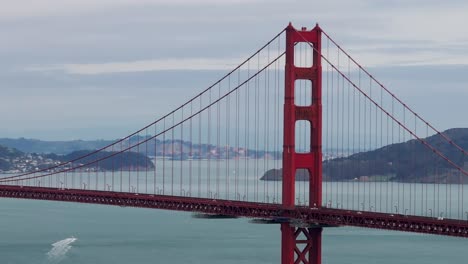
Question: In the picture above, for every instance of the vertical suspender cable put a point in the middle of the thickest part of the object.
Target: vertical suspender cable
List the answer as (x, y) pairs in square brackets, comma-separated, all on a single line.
[(199, 149), (247, 124), (146, 161), (155, 158), (228, 145), (164, 158), (138, 163), (172, 153), (218, 120), (236, 171), (191, 149), (181, 182), (327, 122)]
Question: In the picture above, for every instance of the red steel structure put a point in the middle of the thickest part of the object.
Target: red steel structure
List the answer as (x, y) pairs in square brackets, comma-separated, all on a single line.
[(209, 154), (311, 161)]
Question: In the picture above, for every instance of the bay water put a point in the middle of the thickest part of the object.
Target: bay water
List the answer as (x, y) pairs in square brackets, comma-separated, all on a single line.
[(45, 232)]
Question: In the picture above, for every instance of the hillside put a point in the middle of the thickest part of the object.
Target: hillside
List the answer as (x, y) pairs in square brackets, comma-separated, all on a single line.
[(7, 157), (58, 147), (409, 161), (15, 161), (178, 149), (125, 161)]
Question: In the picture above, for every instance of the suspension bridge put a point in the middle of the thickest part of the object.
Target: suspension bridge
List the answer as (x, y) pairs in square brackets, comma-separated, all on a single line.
[(298, 134)]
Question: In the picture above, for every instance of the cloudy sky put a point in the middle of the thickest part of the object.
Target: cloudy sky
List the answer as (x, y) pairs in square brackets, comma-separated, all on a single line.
[(101, 69)]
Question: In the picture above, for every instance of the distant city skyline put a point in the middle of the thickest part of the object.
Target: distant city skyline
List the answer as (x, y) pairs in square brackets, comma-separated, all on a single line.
[(101, 70)]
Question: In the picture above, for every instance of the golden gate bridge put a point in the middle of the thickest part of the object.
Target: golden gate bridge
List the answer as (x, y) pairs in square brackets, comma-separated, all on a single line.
[(235, 150)]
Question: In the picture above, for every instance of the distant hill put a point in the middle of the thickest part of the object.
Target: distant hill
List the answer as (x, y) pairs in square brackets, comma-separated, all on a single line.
[(126, 161), (15, 161), (7, 156), (397, 162), (57, 147), (177, 149)]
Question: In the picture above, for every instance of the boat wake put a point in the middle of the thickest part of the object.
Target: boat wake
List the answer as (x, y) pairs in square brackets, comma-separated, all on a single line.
[(60, 249)]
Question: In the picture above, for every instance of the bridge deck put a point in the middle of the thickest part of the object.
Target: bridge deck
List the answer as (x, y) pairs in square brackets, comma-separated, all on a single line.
[(298, 215)]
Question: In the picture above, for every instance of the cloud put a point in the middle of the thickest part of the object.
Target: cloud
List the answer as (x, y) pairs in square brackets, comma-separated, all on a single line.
[(55, 47), (142, 66), (372, 59), (415, 58), (32, 8)]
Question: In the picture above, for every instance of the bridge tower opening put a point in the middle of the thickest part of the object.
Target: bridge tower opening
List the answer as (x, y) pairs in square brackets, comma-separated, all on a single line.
[(302, 244)]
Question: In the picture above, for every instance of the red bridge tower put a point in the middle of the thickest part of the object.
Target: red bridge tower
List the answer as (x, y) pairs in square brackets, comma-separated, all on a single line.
[(302, 244)]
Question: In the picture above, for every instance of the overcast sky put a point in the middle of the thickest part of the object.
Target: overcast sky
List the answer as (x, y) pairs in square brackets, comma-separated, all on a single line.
[(100, 69)]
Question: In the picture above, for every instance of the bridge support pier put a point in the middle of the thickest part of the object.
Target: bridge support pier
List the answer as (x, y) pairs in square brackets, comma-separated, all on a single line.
[(301, 245)]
